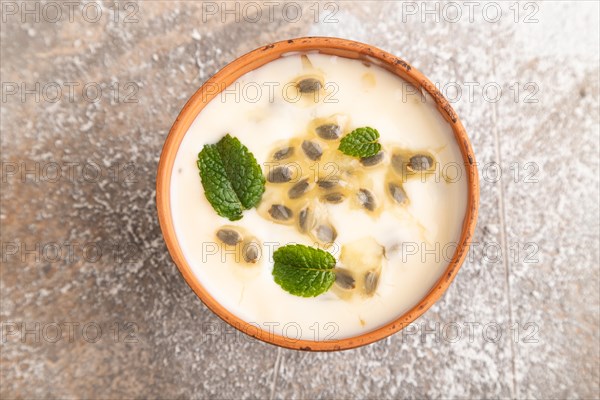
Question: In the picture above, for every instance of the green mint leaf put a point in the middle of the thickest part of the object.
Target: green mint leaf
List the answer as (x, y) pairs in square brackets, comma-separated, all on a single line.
[(302, 270), (231, 177), (361, 142)]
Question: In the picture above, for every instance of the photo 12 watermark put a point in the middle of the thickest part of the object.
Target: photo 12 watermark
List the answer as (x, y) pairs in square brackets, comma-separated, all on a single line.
[(69, 251), (271, 92), (77, 332), (473, 92), (55, 12), (50, 172), (470, 11), (329, 92), (492, 252), (449, 333), (270, 11), (449, 172), (70, 92)]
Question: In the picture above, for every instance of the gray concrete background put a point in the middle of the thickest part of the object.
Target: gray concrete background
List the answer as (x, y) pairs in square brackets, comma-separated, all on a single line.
[(85, 251)]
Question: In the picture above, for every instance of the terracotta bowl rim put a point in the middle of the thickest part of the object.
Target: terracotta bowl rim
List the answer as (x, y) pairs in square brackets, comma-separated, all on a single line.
[(252, 60)]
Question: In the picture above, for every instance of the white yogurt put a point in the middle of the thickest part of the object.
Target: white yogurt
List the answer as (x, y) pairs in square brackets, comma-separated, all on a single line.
[(433, 219)]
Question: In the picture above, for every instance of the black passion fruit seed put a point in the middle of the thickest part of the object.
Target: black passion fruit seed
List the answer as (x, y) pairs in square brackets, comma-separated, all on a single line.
[(309, 85), (397, 192), (298, 189), (229, 236), (372, 160), (284, 153), (420, 162), (366, 199), (326, 233), (280, 175), (328, 131), (312, 150), (327, 183), (280, 212), (344, 279), (303, 219), (371, 280), (250, 252), (334, 198)]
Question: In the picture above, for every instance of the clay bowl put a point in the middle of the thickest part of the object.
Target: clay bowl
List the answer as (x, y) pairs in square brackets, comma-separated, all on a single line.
[(253, 60)]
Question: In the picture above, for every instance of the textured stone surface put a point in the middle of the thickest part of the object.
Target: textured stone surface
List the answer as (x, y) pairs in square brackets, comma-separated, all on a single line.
[(551, 210), (158, 340)]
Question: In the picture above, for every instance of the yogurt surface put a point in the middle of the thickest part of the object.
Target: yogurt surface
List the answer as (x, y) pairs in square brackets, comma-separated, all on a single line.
[(419, 243)]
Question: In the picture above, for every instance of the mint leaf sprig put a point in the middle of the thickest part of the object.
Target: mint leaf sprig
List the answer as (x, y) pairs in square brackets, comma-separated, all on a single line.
[(231, 177), (361, 142), (302, 270)]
